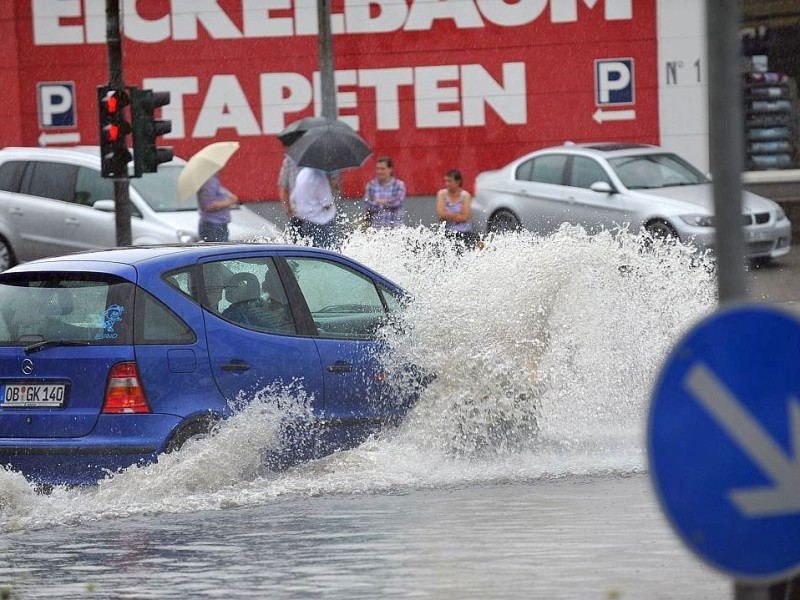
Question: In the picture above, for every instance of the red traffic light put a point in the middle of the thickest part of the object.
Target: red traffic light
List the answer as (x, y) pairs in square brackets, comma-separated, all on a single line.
[(111, 104)]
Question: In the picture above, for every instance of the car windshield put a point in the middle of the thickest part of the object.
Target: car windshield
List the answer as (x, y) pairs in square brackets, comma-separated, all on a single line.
[(160, 190), (650, 171)]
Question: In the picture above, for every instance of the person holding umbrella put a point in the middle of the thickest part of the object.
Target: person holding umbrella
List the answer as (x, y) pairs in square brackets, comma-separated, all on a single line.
[(314, 208), (322, 152), (214, 207), (214, 202)]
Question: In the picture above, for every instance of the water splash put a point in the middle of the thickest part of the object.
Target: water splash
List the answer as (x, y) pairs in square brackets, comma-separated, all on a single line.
[(544, 351)]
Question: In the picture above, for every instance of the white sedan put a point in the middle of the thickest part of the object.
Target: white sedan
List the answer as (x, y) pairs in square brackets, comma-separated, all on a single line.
[(617, 186)]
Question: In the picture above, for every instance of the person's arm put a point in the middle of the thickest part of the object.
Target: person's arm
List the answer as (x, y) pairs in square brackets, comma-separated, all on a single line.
[(398, 196), (466, 210), (227, 201), (441, 211), (283, 194)]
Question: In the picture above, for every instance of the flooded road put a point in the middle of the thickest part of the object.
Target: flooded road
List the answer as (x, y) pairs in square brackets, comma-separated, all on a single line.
[(521, 473)]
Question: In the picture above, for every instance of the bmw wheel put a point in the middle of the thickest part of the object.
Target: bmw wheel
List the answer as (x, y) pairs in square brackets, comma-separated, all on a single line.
[(503, 221), (660, 230), (6, 255)]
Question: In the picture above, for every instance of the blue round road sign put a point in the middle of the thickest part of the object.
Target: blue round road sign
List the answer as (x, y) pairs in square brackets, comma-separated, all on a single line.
[(723, 440)]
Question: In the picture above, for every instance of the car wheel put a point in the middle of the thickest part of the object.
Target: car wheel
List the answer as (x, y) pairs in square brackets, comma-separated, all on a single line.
[(661, 230), (503, 221), (7, 259), (194, 430)]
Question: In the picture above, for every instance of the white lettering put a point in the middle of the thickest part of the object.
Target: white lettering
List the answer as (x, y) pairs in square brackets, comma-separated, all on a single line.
[(358, 17), (281, 94), (186, 14), (508, 100), (225, 107), (422, 14), (390, 17), (502, 13), (177, 88), (386, 83), (144, 30), (47, 27), (305, 17), (96, 21), (258, 23), (429, 96), (566, 11)]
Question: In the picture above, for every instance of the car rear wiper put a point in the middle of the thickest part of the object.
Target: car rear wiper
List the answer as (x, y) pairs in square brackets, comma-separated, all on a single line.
[(35, 347)]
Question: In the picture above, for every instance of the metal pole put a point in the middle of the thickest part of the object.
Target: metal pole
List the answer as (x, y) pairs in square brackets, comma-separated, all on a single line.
[(725, 144), (122, 200), (726, 150), (326, 59)]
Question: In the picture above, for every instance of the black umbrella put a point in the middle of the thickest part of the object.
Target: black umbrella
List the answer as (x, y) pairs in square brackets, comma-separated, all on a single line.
[(330, 148), (295, 130)]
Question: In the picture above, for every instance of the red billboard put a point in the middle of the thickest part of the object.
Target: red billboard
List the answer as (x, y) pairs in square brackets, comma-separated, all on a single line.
[(435, 84)]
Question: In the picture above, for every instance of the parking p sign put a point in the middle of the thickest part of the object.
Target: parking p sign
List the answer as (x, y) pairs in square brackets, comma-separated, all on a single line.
[(724, 441), (614, 82), (56, 105)]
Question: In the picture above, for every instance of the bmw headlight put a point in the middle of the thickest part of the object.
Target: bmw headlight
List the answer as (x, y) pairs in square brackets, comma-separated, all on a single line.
[(698, 220), (186, 237), (780, 215)]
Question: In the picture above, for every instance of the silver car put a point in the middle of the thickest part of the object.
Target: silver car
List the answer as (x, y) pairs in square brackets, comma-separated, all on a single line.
[(54, 201), (618, 186)]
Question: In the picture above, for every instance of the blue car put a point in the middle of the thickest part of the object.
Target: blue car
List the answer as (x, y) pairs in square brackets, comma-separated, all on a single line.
[(110, 358)]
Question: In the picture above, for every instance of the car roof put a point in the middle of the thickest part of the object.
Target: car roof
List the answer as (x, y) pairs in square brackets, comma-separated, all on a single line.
[(606, 149)]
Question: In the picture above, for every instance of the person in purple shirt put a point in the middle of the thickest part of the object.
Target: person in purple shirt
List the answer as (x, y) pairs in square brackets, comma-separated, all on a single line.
[(385, 196), (214, 207)]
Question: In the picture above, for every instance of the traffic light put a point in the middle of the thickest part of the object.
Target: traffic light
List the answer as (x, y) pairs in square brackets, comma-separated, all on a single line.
[(146, 129), (114, 130)]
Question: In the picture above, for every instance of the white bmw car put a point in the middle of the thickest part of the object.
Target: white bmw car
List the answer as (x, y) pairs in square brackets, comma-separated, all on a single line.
[(619, 186)]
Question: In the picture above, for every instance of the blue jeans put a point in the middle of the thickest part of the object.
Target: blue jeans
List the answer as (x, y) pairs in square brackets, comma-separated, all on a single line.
[(213, 232), (322, 236)]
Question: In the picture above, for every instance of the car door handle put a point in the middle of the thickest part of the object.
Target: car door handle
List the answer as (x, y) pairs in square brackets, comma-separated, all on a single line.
[(72, 221), (236, 365), (16, 210), (340, 366)]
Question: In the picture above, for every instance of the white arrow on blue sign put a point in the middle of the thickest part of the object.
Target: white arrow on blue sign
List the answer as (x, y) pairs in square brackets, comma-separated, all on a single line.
[(723, 440)]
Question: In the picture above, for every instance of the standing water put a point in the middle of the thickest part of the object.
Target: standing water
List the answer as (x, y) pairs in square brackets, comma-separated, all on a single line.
[(521, 472)]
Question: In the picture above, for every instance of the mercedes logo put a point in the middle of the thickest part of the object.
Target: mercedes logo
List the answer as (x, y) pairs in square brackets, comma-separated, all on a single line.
[(27, 366)]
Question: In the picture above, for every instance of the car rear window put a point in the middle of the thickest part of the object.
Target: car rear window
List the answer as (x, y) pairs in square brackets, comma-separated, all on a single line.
[(83, 307)]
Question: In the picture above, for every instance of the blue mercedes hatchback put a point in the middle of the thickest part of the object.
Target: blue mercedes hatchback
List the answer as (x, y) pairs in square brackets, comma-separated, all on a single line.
[(110, 358)]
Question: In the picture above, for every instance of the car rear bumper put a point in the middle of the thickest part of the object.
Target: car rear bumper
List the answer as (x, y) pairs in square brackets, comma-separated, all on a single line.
[(116, 443)]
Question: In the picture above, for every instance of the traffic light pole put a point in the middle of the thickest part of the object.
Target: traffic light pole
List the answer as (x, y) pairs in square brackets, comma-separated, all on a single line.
[(122, 200)]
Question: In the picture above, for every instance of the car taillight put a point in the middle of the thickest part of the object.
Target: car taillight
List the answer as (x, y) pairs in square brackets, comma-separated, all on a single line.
[(123, 392)]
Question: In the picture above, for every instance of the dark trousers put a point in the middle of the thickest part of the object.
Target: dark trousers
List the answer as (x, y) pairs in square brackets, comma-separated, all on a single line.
[(213, 232)]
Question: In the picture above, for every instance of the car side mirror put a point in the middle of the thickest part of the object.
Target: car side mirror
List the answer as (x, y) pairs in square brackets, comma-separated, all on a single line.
[(602, 187), (105, 205)]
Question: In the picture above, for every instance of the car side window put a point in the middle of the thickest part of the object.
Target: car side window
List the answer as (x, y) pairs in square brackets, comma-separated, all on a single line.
[(157, 324), (524, 171), (343, 302), (11, 175), (248, 293), (91, 187), (585, 172), (50, 180), (548, 169)]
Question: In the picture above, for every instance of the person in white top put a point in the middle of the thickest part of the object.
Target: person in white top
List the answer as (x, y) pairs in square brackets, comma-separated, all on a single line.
[(314, 209)]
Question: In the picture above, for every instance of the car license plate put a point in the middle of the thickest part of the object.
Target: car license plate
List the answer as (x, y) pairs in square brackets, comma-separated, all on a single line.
[(757, 236), (27, 395)]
